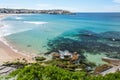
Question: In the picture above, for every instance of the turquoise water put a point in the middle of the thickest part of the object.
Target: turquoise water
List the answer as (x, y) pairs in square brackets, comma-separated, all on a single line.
[(97, 58), (30, 33)]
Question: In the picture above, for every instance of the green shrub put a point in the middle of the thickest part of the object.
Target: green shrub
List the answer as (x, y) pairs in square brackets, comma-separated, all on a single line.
[(38, 58), (38, 72)]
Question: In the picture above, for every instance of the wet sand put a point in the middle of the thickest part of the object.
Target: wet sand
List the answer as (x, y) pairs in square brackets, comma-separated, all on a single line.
[(7, 54)]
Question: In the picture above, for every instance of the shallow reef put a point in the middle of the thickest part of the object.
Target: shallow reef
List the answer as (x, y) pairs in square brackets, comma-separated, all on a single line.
[(88, 41)]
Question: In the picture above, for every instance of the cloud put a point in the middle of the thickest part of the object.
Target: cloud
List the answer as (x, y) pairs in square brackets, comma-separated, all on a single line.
[(116, 1)]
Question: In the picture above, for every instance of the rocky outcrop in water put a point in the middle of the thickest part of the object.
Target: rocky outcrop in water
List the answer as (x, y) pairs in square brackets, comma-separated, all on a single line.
[(28, 11)]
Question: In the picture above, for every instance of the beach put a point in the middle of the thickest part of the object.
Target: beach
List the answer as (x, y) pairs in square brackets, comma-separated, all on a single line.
[(6, 52)]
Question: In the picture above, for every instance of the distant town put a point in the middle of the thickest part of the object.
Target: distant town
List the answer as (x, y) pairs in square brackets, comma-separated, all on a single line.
[(28, 11)]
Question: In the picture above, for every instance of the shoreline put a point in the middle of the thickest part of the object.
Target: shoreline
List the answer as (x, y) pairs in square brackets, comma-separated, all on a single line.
[(7, 53)]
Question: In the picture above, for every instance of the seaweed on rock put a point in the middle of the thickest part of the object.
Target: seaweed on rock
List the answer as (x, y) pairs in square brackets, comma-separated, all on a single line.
[(86, 35), (111, 35)]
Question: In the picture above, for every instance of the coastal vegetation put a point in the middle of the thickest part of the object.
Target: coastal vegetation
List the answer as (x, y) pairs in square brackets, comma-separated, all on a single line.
[(57, 69), (37, 71)]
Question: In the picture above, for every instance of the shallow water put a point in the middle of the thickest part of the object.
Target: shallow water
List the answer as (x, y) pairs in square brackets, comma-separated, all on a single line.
[(95, 58)]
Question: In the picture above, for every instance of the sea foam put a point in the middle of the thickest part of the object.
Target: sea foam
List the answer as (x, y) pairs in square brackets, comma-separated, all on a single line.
[(6, 30), (18, 18), (35, 22)]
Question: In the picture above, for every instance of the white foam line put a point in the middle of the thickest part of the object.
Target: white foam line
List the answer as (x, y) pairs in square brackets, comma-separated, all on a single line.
[(18, 18), (2, 39), (35, 22), (6, 32)]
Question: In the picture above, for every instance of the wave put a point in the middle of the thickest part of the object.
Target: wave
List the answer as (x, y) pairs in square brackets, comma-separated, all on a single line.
[(35, 22), (18, 18), (8, 33), (6, 30)]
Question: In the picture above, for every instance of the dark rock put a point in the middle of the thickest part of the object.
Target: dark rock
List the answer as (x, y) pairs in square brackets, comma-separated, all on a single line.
[(86, 35), (28, 45), (111, 35)]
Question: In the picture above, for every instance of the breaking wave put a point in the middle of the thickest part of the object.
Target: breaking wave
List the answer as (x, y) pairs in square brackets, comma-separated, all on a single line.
[(6, 30), (35, 22), (18, 18)]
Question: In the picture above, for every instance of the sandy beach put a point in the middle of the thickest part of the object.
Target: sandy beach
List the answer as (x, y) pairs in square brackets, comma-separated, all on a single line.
[(6, 53)]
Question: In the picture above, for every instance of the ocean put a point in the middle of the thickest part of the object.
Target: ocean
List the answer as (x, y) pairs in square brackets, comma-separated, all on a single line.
[(33, 33)]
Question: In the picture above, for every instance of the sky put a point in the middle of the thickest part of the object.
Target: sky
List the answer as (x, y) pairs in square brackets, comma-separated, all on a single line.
[(72, 5)]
